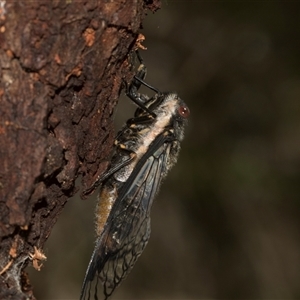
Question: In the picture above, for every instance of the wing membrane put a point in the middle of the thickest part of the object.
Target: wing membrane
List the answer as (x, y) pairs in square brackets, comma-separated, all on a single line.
[(128, 227)]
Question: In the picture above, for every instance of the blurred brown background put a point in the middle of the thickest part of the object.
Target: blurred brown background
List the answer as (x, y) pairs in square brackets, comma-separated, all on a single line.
[(226, 222)]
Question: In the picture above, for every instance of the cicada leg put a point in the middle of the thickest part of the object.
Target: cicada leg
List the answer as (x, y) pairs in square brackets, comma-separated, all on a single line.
[(110, 172)]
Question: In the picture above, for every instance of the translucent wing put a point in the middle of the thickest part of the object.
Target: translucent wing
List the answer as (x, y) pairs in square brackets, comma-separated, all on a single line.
[(127, 230)]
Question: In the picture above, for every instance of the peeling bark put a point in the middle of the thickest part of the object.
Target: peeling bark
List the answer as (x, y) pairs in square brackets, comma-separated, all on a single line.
[(62, 66)]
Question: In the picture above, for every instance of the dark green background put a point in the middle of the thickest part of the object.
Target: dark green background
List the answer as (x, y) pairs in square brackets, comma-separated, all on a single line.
[(225, 224)]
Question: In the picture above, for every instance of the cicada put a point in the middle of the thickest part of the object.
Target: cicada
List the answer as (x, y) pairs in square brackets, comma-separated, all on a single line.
[(145, 150)]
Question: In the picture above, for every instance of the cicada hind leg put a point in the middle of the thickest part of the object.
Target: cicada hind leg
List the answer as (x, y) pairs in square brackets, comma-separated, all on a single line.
[(130, 155)]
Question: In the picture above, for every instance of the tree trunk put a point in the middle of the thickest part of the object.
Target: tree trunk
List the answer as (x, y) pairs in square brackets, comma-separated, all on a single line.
[(62, 66)]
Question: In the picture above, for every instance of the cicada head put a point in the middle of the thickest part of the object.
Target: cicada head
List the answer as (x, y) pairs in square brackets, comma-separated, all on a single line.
[(171, 111)]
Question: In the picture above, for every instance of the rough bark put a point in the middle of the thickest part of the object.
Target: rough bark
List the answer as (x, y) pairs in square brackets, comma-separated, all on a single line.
[(62, 66)]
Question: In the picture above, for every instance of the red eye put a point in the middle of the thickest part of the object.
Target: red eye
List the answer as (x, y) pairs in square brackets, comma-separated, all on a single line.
[(184, 111)]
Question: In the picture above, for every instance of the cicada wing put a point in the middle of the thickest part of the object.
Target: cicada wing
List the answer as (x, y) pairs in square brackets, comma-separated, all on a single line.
[(128, 228)]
